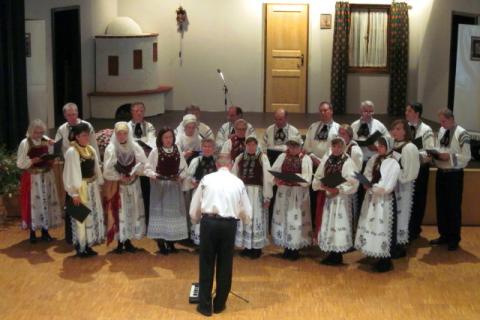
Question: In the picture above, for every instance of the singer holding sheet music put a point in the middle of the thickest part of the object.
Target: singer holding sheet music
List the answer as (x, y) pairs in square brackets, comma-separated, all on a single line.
[(219, 201), (422, 136), (82, 177), (40, 208), (335, 236), (167, 169), (124, 162)]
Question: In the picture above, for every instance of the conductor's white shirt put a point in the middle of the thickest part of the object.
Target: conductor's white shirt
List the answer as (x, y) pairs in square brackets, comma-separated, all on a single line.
[(221, 193)]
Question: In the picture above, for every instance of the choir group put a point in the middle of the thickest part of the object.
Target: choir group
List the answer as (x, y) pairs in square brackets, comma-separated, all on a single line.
[(142, 183)]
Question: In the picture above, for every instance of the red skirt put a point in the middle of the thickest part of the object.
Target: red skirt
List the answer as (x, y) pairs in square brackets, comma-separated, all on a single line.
[(25, 199)]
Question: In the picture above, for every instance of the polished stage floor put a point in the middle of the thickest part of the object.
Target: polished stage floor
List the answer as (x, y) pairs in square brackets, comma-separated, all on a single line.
[(46, 281)]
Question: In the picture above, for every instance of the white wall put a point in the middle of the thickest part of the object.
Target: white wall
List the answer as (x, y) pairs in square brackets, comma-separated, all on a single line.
[(95, 16), (467, 79)]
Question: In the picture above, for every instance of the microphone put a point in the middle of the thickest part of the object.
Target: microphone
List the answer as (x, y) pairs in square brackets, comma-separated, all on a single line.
[(221, 74)]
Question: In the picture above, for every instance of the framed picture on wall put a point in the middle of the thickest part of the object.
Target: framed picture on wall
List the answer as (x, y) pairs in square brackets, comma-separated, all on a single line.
[(475, 49), (325, 21)]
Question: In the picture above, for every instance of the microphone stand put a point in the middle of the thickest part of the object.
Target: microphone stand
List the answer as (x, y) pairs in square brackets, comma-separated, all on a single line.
[(225, 90)]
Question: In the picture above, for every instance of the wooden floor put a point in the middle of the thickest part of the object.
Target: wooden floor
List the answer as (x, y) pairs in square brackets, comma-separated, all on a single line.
[(45, 281)]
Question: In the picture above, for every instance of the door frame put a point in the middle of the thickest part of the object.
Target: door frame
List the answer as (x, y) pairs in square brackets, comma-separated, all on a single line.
[(307, 53), (52, 17)]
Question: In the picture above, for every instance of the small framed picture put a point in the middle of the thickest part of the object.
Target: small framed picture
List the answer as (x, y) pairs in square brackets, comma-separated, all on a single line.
[(28, 45), (325, 21), (475, 49)]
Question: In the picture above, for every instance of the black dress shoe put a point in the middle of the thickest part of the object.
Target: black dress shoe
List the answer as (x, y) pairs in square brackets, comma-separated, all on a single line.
[(398, 252), (90, 252), (162, 247), (294, 255), (206, 313), (452, 246), (255, 253), (286, 253), (333, 259), (245, 253), (33, 237), (219, 309), (438, 241), (46, 236), (119, 249), (171, 247), (129, 247), (383, 265)]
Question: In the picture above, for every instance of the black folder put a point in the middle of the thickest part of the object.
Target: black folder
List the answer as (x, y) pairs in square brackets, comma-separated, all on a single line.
[(79, 212), (49, 156), (333, 180), (370, 140), (57, 147), (363, 180), (289, 177), (144, 145), (418, 143), (273, 154)]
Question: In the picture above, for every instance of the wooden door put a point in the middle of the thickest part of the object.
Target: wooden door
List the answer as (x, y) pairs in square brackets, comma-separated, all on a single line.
[(286, 57)]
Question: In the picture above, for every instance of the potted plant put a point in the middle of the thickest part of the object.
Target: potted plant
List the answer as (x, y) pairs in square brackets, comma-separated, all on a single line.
[(9, 183)]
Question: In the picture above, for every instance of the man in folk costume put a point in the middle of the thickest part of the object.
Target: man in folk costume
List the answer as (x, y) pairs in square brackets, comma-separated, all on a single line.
[(453, 143), (317, 144), (409, 159), (40, 206), (188, 140), (82, 177), (124, 161), (235, 145), (376, 232), (419, 130), (335, 236), (144, 134), (252, 167), (227, 130), (198, 168), (168, 220), (64, 132), (291, 222), (203, 130)]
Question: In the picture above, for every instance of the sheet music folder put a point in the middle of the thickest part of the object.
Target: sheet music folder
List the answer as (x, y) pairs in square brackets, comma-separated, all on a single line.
[(289, 177), (79, 212), (333, 180), (370, 140)]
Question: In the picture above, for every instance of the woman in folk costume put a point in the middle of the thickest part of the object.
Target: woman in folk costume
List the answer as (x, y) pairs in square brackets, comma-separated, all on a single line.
[(40, 207), (236, 144), (124, 161), (376, 230), (168, 220), (291, 221), (252, 167), (189, 141), (335, 236), (82, 177), (198, 168), (409, 159)]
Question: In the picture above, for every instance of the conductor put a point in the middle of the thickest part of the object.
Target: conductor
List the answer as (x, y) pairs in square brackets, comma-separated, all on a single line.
[(218, 203)]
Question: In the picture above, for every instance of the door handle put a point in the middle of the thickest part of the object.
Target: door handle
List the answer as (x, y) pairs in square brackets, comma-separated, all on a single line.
[(302, 58)]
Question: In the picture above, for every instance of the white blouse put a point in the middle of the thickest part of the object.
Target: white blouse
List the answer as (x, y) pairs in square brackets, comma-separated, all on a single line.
[(110, 159), (267, 176), (348, 170), (306, 168), (72, 173), (23, 160), (389, 171), (319, 148)]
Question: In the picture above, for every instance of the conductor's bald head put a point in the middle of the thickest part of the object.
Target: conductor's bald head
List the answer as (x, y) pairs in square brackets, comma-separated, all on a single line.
[(224, 161)]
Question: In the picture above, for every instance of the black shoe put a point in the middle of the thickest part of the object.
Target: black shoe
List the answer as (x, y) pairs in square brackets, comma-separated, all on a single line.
[(245, 253), (204, 312), (129, 247), (90, 251), (46, 236), (438, 241), (119, 249), (398, 252), (255, 253), (171, 247), (162, 247), (286, 253), (219, 309), (294, 255), (383, 265), (452, 246), (333, 259), (80, 254), (33, 237)]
